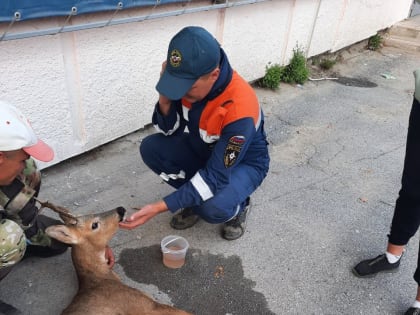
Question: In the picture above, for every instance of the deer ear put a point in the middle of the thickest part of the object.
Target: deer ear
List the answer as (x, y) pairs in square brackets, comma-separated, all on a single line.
[(62, 233)]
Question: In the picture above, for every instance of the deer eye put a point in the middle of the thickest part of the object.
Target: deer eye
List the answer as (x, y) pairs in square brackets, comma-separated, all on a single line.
[(95, 225)]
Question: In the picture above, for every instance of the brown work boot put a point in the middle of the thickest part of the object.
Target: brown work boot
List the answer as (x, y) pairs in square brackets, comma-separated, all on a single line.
[(184, 219), (235, 228)]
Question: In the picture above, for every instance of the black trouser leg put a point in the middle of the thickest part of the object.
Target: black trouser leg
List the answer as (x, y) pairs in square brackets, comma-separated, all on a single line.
[(406, 219)]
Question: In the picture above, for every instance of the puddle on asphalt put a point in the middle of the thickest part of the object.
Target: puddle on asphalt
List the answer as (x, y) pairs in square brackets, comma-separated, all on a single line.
[(206, 285), (357, 82)]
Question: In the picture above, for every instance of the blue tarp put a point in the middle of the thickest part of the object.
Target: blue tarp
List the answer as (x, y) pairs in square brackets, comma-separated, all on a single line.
[(32, 9)]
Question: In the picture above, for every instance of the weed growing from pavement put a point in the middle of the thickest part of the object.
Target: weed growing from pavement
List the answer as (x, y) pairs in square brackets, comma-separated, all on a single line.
[(296, 71), (272, 76), (374, 42), (327, 64)]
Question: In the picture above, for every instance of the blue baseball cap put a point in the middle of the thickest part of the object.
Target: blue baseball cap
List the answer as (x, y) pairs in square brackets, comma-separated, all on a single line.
[(192, 53)]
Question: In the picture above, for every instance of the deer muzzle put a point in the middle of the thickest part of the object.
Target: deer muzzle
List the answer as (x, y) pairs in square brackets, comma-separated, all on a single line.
[(121, 212)]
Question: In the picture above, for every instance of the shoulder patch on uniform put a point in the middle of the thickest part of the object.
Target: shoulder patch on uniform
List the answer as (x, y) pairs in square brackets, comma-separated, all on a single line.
[(232, 150)]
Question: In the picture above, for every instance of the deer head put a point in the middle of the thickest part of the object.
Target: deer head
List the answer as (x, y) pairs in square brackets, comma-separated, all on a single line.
[(94, 229)]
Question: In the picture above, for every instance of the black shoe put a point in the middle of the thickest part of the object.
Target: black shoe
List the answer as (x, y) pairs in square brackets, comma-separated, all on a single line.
[(56, 248), (235, 228), (36, 234), (412, 311), (370, 267), (184, 219), (7, 309)]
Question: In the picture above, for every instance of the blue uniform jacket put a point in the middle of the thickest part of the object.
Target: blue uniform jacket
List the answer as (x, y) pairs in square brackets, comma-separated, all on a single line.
[(241, 142)]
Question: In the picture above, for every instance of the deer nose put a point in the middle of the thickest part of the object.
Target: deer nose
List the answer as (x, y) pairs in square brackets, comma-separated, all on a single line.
[(121, 212)]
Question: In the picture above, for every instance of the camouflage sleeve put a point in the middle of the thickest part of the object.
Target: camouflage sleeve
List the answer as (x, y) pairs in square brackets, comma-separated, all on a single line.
[(12, 243)]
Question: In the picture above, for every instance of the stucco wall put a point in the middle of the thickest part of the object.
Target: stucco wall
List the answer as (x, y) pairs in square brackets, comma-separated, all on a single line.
[(83, 89)]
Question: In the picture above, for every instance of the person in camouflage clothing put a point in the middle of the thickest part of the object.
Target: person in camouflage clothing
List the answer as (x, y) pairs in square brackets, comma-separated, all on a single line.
[(21, 227)]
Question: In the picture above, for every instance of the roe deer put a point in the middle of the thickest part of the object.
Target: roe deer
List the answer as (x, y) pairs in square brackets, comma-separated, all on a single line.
[(101, 292)]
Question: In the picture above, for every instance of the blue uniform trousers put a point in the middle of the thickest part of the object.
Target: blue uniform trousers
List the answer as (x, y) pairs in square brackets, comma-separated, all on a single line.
[(172, 154)]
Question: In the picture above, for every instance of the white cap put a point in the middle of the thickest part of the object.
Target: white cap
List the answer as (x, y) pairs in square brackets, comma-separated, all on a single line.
[(16, 133)]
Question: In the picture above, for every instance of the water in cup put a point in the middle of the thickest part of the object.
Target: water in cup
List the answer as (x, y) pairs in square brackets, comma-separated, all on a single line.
[(174, 249)]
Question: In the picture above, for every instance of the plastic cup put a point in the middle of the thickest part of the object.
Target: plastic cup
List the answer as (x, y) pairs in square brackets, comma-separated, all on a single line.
[(174, 248)]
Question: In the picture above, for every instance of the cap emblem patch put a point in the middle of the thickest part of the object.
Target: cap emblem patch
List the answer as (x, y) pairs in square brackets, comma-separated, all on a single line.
[(175, 58)]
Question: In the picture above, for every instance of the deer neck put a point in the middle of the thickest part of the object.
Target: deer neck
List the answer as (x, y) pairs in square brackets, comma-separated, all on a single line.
[(91, 264)]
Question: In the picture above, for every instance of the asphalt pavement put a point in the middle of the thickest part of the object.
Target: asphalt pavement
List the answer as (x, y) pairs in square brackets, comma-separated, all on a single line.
[(337, 150)]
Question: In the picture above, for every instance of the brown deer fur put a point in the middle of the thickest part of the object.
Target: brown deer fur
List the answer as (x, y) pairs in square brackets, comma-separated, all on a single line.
[(100, 289)]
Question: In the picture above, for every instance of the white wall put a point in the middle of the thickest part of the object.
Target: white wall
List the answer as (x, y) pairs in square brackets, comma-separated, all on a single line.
[(83, 89)]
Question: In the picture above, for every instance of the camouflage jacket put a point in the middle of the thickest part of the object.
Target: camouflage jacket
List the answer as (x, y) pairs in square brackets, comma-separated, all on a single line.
[(19, 196)]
